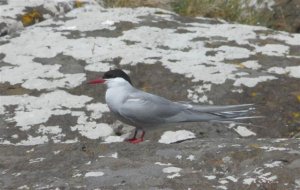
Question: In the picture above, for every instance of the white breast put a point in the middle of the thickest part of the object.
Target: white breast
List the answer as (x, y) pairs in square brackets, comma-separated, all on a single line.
[(117, 91), (114, 98)]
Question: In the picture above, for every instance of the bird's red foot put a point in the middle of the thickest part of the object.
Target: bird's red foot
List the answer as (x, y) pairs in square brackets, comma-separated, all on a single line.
[(135, 140)]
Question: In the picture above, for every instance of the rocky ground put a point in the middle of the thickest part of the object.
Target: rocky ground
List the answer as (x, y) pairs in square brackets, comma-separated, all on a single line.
[(210, 163), (57, 132)]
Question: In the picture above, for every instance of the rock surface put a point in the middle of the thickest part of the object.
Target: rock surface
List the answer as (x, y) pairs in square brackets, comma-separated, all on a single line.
[(56, 131), (196, 164)]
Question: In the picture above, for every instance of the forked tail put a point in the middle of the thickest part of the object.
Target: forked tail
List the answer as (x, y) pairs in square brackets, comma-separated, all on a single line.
[(232, 112), (220, 114)]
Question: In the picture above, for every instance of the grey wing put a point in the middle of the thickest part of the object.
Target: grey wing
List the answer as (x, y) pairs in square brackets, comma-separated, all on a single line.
[(145, 108)]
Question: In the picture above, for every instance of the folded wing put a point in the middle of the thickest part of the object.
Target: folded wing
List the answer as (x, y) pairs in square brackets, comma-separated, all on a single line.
[(141, 107), (146, 108)]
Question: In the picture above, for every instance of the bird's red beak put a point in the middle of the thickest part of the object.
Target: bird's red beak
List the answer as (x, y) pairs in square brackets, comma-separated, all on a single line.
[(97, 81)]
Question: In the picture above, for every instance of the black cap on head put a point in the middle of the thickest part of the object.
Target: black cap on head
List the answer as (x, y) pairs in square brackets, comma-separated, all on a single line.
[(116, 73)]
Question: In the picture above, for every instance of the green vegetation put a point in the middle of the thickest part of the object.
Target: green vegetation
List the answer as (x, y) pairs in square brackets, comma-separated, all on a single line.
[(129, 3), (229, 10)]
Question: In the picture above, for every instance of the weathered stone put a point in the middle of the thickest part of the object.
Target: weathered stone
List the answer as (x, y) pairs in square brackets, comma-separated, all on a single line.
[(57, 132)]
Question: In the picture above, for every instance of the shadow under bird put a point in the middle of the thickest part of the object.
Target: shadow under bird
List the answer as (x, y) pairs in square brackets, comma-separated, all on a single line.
[(144, 110)]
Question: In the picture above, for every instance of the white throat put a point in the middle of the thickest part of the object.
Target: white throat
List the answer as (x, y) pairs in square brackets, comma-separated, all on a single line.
[(117, 91)]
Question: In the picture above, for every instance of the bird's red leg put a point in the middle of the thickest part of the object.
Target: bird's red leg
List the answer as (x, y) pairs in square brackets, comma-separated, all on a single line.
[(134, 136), (137, 140)]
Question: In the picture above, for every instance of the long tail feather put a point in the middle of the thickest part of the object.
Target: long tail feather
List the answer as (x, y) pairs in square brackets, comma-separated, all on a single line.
[(195, 113), (240, 107), (226, 113)]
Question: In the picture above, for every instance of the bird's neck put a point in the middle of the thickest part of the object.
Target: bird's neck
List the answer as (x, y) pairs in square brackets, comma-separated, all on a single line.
[(116, 95)]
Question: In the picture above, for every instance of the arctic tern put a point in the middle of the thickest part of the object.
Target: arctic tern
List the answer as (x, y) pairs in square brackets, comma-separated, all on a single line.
[(144, 110)]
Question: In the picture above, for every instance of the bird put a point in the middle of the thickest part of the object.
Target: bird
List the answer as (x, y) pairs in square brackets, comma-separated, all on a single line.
[(144, 110)]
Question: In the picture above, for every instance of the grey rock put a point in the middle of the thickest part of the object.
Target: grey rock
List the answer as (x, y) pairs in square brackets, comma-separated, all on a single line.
[(295, 164), (54, 128)]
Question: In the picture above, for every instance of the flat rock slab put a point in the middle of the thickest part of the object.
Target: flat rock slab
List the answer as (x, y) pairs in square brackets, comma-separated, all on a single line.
[(53, 125), (195, 164)]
